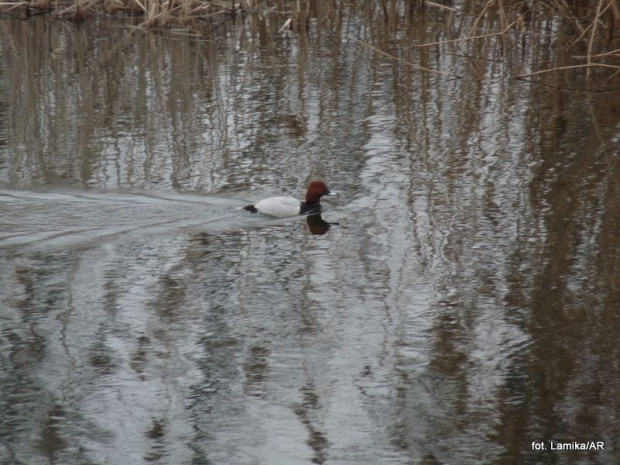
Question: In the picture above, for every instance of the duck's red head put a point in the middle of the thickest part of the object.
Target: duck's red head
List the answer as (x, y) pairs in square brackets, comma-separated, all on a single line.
[(316, 190)]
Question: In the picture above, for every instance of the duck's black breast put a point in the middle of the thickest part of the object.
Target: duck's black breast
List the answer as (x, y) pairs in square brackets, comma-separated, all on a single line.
[(308, 207)]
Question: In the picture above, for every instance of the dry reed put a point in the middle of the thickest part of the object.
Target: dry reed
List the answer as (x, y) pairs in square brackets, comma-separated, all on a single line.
[(596, 23)]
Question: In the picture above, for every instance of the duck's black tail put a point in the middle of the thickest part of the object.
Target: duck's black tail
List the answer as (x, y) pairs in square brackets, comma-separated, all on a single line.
[(250, 208)]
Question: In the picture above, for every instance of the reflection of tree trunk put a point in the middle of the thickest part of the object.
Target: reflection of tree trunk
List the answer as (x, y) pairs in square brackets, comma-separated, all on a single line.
[(615, 12), (573, 296), (43, 4)]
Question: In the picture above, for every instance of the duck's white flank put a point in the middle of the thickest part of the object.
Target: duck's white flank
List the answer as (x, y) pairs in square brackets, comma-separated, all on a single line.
[(281, 207)]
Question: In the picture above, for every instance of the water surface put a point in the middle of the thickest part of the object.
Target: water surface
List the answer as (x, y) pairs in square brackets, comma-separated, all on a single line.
[(464, 306)]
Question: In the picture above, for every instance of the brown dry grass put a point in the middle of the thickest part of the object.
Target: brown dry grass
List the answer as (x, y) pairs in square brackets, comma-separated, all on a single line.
[(595, 24)]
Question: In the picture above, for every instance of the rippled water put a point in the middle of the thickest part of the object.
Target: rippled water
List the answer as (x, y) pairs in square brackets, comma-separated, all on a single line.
[(456, 302)]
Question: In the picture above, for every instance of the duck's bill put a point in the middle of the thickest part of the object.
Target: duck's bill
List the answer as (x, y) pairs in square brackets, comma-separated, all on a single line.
[(330, 192)]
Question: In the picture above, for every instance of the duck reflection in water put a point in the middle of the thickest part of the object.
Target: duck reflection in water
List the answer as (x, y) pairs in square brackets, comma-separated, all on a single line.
[(316, 224)]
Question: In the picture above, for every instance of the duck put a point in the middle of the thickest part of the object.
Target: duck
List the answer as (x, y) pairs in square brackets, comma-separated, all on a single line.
[(283, 207)]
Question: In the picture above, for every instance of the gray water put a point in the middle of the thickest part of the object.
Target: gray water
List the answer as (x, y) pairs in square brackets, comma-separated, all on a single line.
[(458, 301)]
